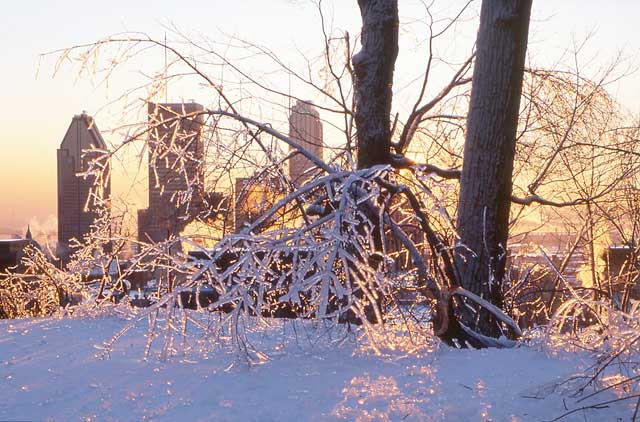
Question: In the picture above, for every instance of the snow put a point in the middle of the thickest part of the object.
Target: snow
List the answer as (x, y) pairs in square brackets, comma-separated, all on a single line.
[(50, 370)]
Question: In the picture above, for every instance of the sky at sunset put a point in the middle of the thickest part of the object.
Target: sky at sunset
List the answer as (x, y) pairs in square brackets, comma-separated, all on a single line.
[(37, 107)]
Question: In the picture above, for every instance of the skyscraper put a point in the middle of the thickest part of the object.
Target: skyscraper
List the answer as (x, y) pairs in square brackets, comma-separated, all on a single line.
[(306, 128), (79, 197), (176, 169)]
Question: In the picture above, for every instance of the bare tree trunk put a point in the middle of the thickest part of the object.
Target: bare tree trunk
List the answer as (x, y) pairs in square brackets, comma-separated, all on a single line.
[(485, 184), (373, 66)]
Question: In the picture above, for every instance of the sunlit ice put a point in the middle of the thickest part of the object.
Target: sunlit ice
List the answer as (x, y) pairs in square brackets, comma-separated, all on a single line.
[(380, 210)]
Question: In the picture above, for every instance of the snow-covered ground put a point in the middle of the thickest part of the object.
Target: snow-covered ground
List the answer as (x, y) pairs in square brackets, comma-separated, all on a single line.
[(49, 370)]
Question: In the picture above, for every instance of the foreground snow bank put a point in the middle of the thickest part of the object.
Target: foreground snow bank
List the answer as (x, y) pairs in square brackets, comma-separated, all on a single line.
[(49, 371)]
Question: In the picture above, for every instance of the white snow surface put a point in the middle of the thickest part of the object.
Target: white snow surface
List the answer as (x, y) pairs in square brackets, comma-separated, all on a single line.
[(50, 371)]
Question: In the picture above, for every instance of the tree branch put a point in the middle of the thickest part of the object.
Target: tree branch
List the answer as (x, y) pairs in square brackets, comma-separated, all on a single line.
[(399, 161)]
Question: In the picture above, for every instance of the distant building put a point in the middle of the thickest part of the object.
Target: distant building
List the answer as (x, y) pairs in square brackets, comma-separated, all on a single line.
[(253, 196), (243, 209), (250, 199), (78, 204), (305, 127), (621, 269), (13, 250), (176, 170)]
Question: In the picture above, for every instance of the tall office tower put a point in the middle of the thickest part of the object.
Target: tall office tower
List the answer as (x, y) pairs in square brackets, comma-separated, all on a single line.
[(176, 169), (306, 128), (80, 197)]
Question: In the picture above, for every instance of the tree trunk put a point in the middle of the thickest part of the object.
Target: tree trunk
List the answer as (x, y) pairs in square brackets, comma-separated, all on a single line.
[(485, 184), (373, 66)]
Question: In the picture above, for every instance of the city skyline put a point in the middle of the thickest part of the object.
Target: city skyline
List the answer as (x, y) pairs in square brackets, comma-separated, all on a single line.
[(33, 200)]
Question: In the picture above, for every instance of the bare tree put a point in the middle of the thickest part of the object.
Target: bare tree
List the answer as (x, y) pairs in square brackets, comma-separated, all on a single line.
[(486, 180), (343, 217), (347, 226), (374, 65)]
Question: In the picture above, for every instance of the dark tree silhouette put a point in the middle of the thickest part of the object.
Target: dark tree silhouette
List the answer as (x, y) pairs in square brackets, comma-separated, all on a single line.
[(486, 179), (373, 66)]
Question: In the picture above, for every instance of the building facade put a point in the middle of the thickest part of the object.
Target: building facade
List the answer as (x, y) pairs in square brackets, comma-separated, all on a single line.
[(81, 199), (176, 169), (13, 250), (305, 128)]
